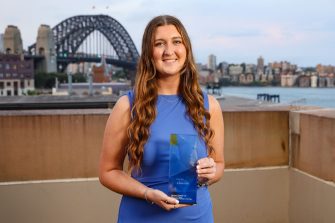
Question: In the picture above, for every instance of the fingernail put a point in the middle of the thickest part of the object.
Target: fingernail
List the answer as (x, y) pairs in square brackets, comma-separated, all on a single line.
[(177, 202)]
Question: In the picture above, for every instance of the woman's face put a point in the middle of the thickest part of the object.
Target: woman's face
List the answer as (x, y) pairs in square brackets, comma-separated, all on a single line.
[(169, 52)]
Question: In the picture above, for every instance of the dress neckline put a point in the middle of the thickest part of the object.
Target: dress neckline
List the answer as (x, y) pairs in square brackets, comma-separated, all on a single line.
[(168, 95), (170, 98)]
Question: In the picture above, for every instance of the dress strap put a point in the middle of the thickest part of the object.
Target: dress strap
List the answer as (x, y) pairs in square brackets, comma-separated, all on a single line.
[(206, 103), (131, 97)]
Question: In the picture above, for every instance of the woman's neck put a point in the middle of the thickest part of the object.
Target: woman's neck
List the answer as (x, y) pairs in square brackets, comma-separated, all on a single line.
[(168, 85)]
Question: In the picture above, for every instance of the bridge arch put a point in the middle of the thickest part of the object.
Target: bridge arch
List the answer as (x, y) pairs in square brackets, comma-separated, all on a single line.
[(70, 34)]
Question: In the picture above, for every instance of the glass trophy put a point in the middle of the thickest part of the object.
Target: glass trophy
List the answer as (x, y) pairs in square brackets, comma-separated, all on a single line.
[(182, 171)]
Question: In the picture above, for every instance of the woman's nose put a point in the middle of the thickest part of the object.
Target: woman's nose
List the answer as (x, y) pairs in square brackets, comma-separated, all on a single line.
[(168, 50)]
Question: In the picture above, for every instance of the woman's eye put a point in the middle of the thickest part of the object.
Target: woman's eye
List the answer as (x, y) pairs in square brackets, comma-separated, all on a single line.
[(159, 44), (177, 42)]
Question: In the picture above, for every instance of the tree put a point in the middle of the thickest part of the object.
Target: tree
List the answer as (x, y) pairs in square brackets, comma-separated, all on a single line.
[(47, 80)]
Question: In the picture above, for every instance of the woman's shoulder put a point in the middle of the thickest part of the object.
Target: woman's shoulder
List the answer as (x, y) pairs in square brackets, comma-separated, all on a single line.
[(122, 104), (126, 100), (214, 104), (210, 102)]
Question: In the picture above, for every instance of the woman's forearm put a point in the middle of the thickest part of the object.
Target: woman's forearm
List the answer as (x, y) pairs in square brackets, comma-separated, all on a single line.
[(122, 183)]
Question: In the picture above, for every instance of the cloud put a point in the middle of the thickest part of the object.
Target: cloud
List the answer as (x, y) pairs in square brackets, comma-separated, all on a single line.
[(231, 29)]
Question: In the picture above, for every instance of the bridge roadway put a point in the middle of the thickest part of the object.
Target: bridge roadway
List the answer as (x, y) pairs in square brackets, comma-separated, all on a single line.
[(95, 59), (131, 65)]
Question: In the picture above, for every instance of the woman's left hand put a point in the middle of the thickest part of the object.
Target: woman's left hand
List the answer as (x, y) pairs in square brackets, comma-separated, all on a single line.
[(206, 169)]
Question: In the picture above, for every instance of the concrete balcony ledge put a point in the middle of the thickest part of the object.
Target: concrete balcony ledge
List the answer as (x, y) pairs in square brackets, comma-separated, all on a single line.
[(320, 112), (54, 112)]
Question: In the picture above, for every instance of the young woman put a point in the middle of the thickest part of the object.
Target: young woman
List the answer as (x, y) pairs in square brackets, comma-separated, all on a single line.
[(166, 99)]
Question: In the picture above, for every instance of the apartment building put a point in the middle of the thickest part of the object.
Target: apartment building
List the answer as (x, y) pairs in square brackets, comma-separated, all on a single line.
[(16, 75)]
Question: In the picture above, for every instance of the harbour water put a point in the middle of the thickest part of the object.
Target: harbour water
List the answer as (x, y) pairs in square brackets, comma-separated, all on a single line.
[(322, 97)]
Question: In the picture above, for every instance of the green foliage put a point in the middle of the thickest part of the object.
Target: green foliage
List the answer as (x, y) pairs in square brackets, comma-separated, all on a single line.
[(80, 78), (256, 84), (243, 66), (227, 82), (275, 82), (32, 92), (47, 80), (120, 74)]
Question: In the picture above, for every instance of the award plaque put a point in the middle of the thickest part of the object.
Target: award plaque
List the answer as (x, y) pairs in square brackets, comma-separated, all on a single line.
[(182, 171)]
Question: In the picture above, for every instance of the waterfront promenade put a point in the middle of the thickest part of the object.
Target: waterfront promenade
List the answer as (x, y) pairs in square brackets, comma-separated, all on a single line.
[(279, 165)]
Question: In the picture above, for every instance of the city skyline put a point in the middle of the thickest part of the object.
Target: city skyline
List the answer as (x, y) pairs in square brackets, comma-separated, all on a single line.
[(235, 31)]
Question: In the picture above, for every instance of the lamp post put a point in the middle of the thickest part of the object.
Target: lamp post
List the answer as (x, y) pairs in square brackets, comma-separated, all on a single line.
[(90, 80), (69, 81)]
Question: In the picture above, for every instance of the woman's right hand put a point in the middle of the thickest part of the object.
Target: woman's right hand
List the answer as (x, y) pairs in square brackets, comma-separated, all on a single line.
[(164, 201)]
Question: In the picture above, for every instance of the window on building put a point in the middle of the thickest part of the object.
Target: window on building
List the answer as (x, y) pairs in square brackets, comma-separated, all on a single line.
[(22, 84), (7, 66), (1, 75), (41, 51), (9, 84), (8, 75), (1, 85)]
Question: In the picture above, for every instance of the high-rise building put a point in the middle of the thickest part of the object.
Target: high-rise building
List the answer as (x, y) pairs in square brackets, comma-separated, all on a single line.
[(260, 65), (212, 62), (1, 43)]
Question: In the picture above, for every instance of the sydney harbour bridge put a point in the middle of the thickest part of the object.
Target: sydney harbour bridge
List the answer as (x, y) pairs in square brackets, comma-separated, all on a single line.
[(83, 38)]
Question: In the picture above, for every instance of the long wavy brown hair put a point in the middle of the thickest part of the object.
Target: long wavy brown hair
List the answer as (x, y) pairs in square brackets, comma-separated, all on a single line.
[(144, 106)]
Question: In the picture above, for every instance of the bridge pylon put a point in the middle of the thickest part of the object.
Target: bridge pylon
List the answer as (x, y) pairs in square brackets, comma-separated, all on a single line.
[(45, 46), (12, 40)]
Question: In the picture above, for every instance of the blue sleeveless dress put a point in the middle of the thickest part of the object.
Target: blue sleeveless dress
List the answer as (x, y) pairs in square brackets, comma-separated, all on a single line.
[(171, 118)]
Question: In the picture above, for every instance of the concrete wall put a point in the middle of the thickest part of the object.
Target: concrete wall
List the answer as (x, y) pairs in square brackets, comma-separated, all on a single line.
[(311, 199), (312, 187), (253, 195), (40, 145), (58, 144), (61, 144), (82, 201), (313, 142), (256, 138)]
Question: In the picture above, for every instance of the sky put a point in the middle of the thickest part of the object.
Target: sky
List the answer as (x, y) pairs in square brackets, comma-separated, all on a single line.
[(236, 31)]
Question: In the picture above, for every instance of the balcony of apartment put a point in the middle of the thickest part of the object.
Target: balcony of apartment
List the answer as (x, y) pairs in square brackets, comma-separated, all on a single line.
[(280, 164)]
